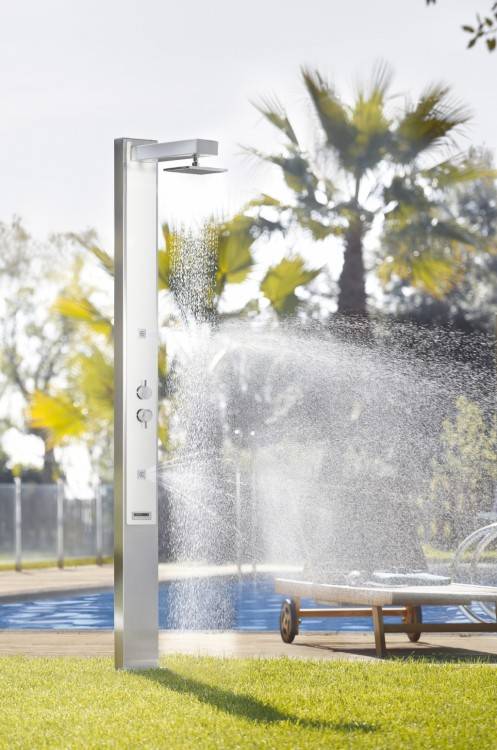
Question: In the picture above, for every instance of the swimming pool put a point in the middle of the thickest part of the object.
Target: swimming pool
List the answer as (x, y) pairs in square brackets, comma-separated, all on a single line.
[(198, 604)]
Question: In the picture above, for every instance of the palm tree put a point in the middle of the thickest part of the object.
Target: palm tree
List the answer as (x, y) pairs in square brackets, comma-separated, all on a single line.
[(371, 165)]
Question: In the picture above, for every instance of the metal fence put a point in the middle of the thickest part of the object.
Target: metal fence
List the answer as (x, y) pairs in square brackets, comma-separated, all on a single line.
[(39, 523)]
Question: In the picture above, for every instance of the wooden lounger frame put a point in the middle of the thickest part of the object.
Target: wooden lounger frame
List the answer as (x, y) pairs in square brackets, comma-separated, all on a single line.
[(390, 602)]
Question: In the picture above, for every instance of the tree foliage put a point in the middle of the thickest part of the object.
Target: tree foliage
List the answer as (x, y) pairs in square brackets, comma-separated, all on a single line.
[(281, 281), (483, 28), (376, 164), (81, 408), (34, 344), (465, 474), (194, 271), (463, 292)]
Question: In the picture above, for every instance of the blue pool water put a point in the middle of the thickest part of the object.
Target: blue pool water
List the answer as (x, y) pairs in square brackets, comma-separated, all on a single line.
[(214, 604)]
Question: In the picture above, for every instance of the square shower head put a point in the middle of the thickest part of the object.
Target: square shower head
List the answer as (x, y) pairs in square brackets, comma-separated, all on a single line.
[(194, 169)]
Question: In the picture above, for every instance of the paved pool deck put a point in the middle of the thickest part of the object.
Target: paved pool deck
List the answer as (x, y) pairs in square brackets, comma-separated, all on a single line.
[(43, 582), (46, 582), (312, 646)]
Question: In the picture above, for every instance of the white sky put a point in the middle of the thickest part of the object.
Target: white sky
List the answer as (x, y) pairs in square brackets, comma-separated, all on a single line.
[(76, 74)]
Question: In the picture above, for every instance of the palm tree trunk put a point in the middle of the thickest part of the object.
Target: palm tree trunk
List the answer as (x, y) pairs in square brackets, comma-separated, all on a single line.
[(50, 467), (352, 282), (49, 470)]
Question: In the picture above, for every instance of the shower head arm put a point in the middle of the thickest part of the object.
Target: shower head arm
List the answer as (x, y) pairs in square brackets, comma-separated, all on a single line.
[(174, 150)]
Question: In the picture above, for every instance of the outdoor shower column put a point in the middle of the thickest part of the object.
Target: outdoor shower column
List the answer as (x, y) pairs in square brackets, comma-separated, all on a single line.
[(135, 421), (136, 586)]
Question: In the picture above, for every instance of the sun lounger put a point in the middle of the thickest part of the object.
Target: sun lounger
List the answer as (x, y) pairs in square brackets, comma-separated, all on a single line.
[(378, 602)]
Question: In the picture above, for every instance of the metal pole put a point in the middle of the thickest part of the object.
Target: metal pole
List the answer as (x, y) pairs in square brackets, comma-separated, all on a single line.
[(238, 518), (99, 543), (135, 437), (60, 523), (18, 523), (253, 503)]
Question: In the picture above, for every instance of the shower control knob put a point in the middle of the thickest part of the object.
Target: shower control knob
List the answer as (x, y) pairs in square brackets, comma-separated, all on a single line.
[(144, 391), (144, 416)]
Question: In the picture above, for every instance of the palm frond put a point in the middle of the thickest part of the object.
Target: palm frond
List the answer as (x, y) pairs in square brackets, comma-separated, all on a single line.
[(431, 122), (58, 415), (275, 113), (426, 270), (295, 166), (163, 362), (263, 201), (95, 377), (281, 281), (453, 172), (334, 116), (331, 226), (82, 310), (434, 275), (451, 231), (372, 140), (416, 220), (380, 81), (234, 256), (298, 173), (168, 257), (408, 197), (105, 260)]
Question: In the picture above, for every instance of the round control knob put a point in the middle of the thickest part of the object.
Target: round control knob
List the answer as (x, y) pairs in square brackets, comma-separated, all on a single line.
[(144, 416), (144, 391)]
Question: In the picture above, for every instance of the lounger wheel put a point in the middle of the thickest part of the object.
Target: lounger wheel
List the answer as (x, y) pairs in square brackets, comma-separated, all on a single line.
[(289, 623), (414, 616)]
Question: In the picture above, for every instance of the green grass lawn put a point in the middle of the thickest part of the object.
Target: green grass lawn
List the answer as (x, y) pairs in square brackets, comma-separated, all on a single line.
[(213, 703)]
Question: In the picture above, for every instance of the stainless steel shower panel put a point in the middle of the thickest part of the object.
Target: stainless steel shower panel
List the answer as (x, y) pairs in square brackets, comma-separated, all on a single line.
[(135, 437), (136, 392)]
